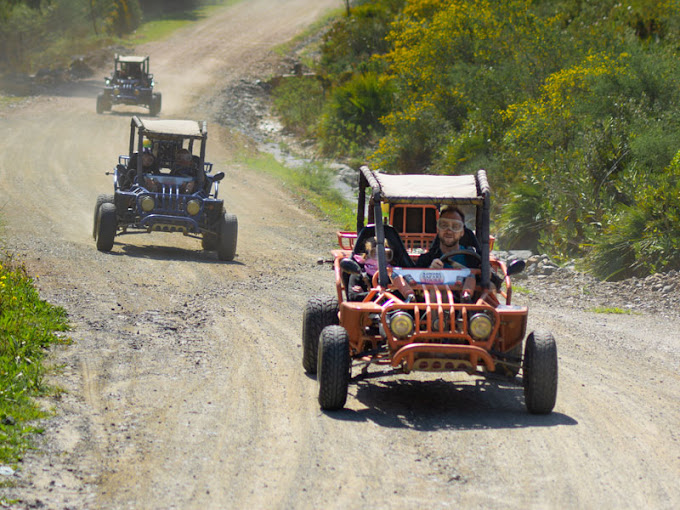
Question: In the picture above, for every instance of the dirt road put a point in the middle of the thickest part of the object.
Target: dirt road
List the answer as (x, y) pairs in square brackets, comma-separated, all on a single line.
[(184, 385)]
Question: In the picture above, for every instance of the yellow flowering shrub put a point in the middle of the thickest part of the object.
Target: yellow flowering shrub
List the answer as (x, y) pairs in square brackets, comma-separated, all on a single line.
[(550, 117)]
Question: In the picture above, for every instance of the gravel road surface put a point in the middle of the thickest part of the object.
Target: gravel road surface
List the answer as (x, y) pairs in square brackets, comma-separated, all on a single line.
[(184, 385)]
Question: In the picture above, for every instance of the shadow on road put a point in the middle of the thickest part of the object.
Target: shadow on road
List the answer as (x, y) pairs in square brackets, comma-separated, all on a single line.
[(159, 252), (473, 404), (143, 112), (89, 89)]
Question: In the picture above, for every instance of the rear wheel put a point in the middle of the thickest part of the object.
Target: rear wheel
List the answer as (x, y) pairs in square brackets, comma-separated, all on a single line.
[(101, 199), (107, 224), (319, 313), (333, 367), (540, 372), (228, 234)]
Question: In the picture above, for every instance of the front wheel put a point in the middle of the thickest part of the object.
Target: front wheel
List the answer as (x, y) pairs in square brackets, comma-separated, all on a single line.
[(155, 107), (101, 199), (100, 103), (333, 368), (107, 224), (104, 103), (319, 313), (540, 372), (228, 234)]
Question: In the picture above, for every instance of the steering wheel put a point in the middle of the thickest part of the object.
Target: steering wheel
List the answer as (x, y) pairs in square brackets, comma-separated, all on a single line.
[(447, 258)]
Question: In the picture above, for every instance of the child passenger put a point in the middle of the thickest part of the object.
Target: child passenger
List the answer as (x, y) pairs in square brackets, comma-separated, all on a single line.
[(360, 284)]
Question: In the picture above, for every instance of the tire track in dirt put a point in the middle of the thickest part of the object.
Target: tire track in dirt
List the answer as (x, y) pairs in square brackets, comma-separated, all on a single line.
[(185, 387)]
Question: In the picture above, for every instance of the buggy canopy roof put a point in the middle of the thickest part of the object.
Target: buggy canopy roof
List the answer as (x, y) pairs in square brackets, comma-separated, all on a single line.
[(427, 189), (173, 128), (133, 59)]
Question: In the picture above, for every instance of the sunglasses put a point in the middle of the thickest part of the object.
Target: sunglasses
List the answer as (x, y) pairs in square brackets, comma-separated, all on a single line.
[(455, 225)]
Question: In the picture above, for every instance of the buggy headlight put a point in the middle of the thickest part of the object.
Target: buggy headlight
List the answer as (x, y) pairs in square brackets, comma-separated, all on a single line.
[(400, 323), (480, 326), (147, 203), (193, 206)]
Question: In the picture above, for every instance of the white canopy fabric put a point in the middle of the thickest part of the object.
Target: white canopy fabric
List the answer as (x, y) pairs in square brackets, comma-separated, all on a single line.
[(187, 128), (131, 59), (420, 188)]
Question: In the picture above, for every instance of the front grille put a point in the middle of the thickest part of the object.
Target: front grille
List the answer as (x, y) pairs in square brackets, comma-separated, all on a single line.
[(170, 199)]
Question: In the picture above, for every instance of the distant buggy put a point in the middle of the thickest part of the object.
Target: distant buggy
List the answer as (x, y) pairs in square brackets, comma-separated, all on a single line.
[(162, 185), (131, 84)]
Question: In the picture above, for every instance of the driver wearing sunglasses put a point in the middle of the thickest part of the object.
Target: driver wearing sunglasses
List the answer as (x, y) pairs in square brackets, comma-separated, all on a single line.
[(450, 230)]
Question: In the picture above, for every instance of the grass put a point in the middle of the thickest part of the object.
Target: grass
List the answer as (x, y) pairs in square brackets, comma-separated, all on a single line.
[(159, 29), (286, 48), (28, 326), (610, 310), (518, 289), (312, 182), (8, 101)]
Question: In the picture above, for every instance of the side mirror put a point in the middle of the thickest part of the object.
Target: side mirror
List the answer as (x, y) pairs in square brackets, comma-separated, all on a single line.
[(350, 266), (218, 177), (516, 266)]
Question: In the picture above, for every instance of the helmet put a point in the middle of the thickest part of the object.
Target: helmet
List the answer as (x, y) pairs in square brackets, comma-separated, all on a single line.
[(147, 143)]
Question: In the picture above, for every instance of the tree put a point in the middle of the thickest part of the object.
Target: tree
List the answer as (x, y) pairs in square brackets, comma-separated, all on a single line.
[(123, 16)]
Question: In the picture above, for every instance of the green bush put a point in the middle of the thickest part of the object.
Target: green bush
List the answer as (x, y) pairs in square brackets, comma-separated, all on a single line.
[(522, 218), (22, 36), (613, 254), (298, 102), (352, 114), (353, 40), (32, 32), (411, 140), (644, 237)]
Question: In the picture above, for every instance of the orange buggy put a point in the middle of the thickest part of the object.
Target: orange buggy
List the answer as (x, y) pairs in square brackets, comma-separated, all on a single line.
[(437, 320)]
